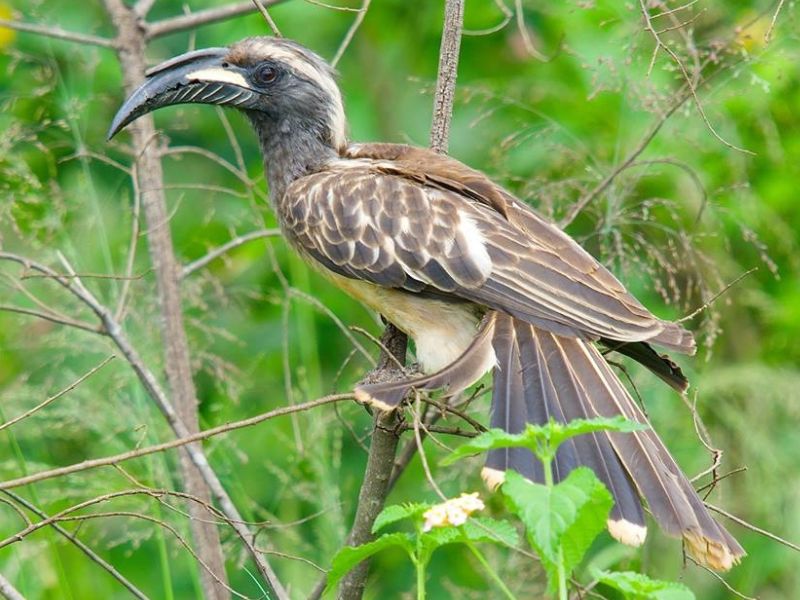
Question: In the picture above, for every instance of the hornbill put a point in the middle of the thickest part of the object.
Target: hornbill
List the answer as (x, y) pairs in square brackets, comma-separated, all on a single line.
[(473, 275)]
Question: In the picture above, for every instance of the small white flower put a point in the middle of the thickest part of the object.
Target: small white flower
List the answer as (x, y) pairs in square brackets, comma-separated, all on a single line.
[(452, 512)]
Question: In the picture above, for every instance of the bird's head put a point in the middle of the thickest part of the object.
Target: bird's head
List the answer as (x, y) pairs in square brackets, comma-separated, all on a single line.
[(275, 81)]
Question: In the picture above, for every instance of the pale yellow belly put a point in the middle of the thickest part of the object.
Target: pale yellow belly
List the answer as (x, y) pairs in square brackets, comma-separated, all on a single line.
[(441, 330)]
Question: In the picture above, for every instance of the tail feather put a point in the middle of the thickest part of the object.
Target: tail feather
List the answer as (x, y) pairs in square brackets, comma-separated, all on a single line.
[(660, 364), (595, 450), (507, 412), (567, 378)]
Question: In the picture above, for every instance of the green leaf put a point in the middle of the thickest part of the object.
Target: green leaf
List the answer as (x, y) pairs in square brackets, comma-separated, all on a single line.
[(641, 587), (568, 515), (494, 438), (439, 536), (398, 512), (349, 556), (480, 529), (559, 432), (542, 440), (484, 529)]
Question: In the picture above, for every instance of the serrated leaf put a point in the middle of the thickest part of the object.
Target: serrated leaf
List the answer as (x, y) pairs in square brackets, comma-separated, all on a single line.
[(484, 529), (542, 440), (569, 515), (475, 530), (349, 556), (398, 512), (439, 536), (641, 587), (494, 438), (560, 432)]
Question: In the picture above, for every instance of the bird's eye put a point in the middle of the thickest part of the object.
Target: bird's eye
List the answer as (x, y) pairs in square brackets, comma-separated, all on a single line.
[(265, 74)]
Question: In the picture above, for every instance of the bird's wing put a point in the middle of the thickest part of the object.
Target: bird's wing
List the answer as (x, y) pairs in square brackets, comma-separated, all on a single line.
[(428, 224)]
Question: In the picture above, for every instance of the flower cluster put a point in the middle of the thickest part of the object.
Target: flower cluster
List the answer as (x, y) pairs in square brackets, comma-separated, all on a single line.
[(453, 512)]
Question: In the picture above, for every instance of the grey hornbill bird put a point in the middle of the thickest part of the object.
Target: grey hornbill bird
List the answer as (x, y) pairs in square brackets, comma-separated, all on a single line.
[(475, 277)]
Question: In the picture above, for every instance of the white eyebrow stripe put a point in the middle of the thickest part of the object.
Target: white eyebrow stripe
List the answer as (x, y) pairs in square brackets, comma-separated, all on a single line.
[(220, 75), (324, 80)]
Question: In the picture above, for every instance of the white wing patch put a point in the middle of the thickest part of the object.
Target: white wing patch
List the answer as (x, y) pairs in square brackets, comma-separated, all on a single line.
[(476, 244)]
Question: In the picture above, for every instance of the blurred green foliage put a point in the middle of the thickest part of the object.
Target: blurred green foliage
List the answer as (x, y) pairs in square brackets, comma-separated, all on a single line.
[(691, 215)]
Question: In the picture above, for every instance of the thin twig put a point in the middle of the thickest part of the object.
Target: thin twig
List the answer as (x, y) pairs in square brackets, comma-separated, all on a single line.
[(719, 578), (771, 28), (421, 450), (348, 37), (226, 247), (267, 17), (65, 516), (91, 554), (508, 14), (176, 443), (49, 316), (58, 33), (202, 17), (752, 527), (713, 298), (648, 25), (523, 33), (55, 397)]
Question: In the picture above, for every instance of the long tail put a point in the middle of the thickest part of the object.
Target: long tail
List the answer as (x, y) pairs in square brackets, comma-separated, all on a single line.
[(540, 376)]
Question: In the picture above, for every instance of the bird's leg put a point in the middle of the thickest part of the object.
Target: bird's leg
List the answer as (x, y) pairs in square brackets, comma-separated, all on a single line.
[(391, 363)]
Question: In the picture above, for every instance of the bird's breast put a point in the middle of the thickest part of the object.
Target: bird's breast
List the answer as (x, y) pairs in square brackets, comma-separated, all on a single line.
[(441, 330)]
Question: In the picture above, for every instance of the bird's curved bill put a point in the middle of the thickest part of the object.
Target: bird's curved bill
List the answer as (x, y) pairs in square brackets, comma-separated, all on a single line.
[(199, 77)]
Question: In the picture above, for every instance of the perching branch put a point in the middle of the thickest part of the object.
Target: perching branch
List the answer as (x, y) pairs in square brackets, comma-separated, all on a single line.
[(386, 431), (378, 472)]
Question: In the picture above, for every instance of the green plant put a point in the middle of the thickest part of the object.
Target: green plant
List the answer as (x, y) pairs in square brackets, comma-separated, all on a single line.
[(563, 519), (435, 525)]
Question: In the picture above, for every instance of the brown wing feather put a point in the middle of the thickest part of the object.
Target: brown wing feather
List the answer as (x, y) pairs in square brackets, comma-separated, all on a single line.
[(406, 218)]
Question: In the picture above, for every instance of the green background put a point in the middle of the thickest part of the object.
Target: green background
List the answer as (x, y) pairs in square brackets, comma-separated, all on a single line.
[(691, 216)]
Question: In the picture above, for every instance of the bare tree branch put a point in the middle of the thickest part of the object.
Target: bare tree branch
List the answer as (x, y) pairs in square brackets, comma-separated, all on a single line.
[(67, 516), (8, 591), (203, 17), (176, 443), (150, 180), (91, 554), (49, 316), (58, 33), (448, 70), (112, 329), (378, 472)]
